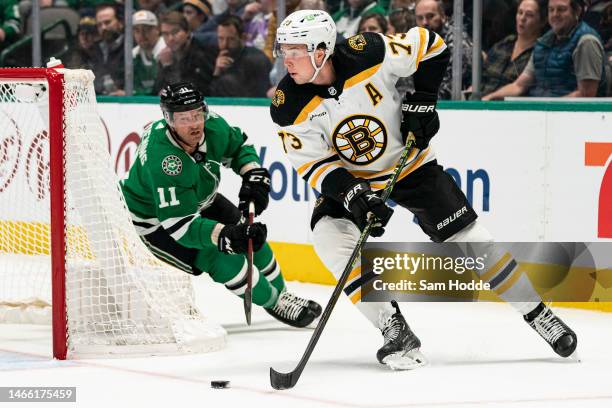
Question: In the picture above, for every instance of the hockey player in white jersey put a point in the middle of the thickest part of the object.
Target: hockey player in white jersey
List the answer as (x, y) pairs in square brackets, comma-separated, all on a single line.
[(343, 126)]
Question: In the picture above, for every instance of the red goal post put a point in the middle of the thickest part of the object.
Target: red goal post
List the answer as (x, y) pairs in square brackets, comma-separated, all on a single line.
[(68, 240)]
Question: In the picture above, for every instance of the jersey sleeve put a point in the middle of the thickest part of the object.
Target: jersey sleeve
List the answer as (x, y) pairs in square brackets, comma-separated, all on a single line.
[(177, 206), (308, 153), (10, 20), (237, 152), (405, 51)]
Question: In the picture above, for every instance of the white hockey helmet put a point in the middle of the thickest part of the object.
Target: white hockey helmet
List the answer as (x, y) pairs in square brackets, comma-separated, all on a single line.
[(311, 28)]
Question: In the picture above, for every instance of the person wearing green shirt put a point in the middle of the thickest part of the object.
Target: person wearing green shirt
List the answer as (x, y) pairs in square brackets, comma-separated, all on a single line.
[(10, 22), (171, 192)]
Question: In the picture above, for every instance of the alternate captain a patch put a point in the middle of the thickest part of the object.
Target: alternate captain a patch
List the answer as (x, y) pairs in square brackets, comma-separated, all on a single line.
[(360, 139), (357, 42), (172, 165)]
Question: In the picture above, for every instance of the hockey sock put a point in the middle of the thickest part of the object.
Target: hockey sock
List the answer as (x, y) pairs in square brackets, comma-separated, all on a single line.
[(231, 270), (501, 270), (268, 267)]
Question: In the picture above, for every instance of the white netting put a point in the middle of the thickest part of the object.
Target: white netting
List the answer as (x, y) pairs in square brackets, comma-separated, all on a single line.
[(119, 298)]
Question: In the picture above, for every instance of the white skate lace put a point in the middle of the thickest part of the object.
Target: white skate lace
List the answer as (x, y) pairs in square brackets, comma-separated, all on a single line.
[(548, 326), (391, 329), (289, 306)]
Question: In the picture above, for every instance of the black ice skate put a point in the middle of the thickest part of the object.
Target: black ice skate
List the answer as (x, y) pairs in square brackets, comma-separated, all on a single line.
[(552, 329), (401, 348), (294, 310)]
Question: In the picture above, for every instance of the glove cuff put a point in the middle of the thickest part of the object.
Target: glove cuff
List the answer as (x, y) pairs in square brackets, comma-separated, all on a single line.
[(216, 231)]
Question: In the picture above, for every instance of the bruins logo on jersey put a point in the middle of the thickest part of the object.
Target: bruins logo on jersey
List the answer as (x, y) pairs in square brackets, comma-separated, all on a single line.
[(279, 98), (172, 165), (360, 139), (357, 42)]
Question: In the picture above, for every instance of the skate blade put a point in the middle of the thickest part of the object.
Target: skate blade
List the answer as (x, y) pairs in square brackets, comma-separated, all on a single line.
[(405, 360), (575, 357)]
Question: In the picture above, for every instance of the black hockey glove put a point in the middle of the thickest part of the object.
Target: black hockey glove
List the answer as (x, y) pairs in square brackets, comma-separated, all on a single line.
[(360, 201), (420, 117), (234, 239), (255, 188)]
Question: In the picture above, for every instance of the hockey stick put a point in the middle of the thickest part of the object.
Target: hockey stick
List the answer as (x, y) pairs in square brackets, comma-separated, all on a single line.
[(283, 381), (248, 292)]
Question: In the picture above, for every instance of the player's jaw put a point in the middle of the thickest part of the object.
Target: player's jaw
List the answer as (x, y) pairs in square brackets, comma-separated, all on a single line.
[(190, 135), (299, 69)]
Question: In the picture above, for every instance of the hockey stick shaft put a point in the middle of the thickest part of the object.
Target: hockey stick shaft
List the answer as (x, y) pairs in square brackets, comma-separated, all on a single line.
[(248, 292), (281, 381)]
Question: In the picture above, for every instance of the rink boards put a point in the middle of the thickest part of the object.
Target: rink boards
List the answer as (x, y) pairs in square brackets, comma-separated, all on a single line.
[(533, 172)]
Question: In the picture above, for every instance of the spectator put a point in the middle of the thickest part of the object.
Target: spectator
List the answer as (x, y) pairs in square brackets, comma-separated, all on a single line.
[(84, 53), (373, 22), (239, 70), (10, 22), (567, 61), (507, 59), (146, 53), (234, 8), (347, 20), (182, 59), (238, 8), (498, 20), (109, 58), (430, 14), (401, 20), (271, 38), (198, 14), (256, 29), (606, 30)]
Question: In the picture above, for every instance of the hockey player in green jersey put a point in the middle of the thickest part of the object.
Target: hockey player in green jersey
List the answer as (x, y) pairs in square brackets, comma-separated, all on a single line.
[(171, 191)]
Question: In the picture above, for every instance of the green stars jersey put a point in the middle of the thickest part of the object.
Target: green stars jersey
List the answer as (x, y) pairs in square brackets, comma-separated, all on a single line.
[(167, 188)]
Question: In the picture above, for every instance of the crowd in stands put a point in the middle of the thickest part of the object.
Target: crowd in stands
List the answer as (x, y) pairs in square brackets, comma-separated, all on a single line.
[(544, 48)]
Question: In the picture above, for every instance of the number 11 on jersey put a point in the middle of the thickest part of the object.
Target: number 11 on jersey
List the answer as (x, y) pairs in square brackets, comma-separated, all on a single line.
[(162, 197)]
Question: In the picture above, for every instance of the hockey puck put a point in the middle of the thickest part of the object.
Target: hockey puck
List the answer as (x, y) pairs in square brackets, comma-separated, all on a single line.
[(219, 384)]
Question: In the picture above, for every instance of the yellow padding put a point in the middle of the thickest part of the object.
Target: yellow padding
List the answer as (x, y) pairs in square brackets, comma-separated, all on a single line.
[(299, 262), (33, 238)]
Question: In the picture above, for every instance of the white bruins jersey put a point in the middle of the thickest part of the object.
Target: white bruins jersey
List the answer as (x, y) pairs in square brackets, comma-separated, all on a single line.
[(354, 123)]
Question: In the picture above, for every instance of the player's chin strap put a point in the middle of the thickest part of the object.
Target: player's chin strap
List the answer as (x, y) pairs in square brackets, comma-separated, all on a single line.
[(314, 65)]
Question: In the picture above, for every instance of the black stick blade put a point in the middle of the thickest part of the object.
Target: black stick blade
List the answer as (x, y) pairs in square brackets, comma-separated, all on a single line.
[(282, 381)]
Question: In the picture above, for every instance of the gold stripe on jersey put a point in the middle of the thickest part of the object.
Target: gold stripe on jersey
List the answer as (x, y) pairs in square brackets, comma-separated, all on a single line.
[(305, 167), (315, 178), (354, 273), (362, 76), (422, 41), (310, 106), (435, 47), (407, 170), (356, 297), (388, 170)]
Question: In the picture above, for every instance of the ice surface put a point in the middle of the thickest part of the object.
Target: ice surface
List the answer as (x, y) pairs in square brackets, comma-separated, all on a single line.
[(481, 355)]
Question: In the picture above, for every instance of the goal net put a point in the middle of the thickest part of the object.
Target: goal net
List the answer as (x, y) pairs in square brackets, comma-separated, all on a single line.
[(68, 251)]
